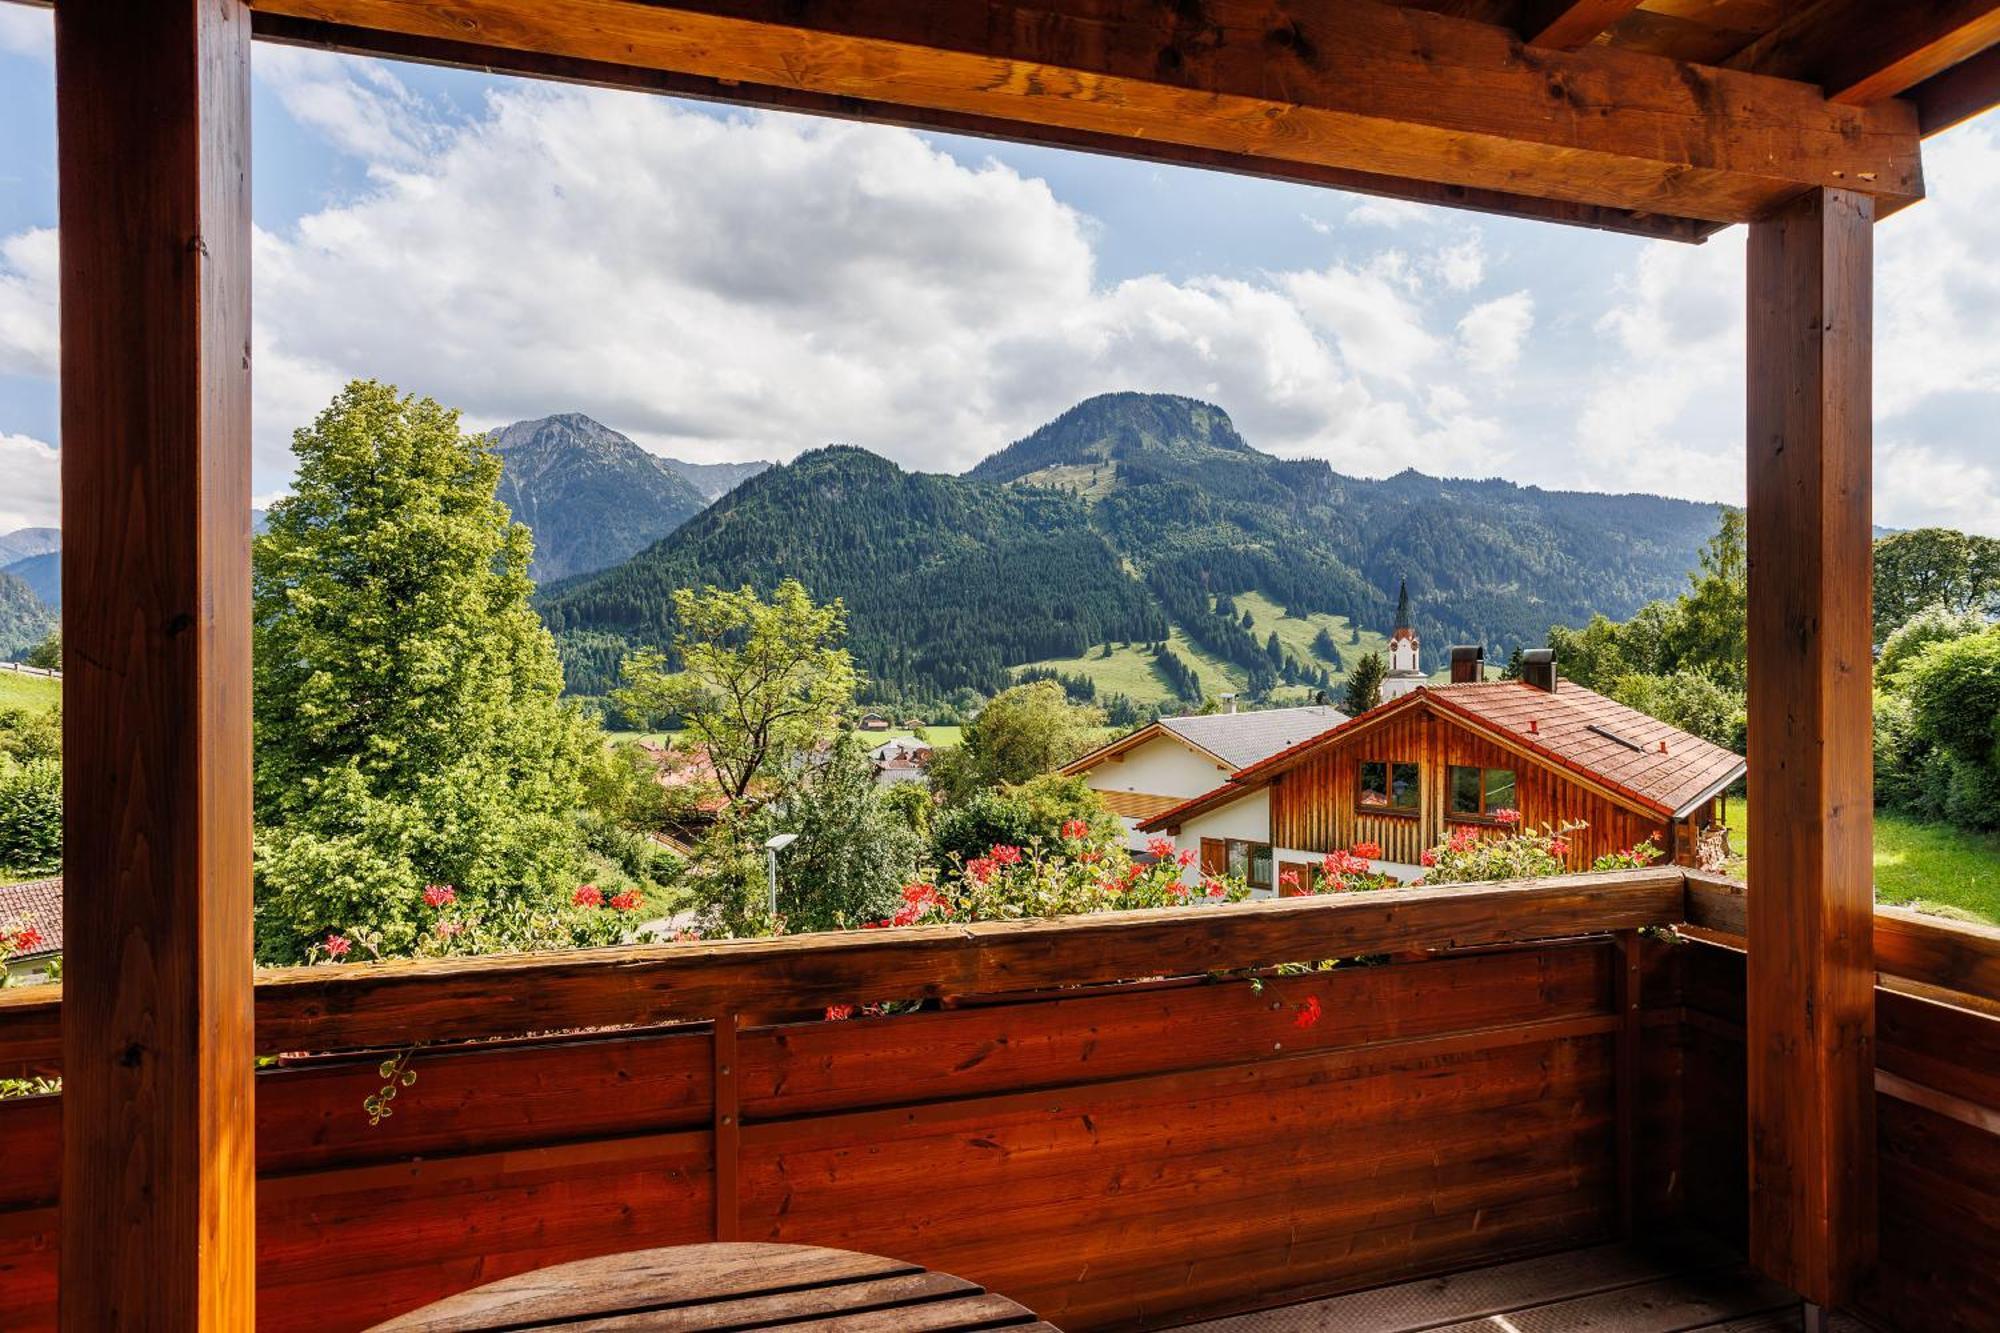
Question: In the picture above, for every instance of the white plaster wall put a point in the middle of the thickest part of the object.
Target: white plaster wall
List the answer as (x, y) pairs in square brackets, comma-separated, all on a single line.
[(1160, 767), (1248, 819)]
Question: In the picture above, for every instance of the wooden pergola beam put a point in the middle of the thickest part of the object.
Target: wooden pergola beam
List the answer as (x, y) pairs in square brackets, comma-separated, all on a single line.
[(1811, 1007), (1565, 25), (288, 30), (1862, 51), (153, 121), (1396, 93)]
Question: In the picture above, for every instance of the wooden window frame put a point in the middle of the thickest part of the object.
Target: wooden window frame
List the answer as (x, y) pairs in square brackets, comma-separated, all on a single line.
[(1250, 848), (1484, 815), (1389, 785)]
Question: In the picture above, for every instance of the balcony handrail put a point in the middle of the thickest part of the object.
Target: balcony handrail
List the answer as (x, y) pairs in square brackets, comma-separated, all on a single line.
[(1945, 955), (366, 1005)]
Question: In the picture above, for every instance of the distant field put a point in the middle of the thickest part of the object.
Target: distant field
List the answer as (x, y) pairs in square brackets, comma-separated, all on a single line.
[(19, 690), (1931, 867), (944, 738), (1130, 670)]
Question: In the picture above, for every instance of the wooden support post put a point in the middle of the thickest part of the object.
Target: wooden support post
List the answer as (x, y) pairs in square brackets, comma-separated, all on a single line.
[(728, 1130), (153, 112), (1811, 1002), (1631, 1032)]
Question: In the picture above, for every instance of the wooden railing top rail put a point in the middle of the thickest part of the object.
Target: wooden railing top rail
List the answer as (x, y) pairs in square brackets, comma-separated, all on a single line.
[(1946, 955), (387, 1004)]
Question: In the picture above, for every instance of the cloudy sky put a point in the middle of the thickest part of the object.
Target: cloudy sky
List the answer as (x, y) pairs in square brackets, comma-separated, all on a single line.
[(727, 284)]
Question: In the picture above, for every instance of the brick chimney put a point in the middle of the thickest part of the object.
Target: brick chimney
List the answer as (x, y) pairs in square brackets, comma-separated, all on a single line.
[(1468, 664), (1538, 668)]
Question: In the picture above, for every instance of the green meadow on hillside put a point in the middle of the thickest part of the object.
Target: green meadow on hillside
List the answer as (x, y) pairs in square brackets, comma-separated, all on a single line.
[(1130, 669), (18, 689)]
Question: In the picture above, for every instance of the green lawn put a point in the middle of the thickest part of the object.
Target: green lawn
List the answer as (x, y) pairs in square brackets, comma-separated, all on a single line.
[(1931, 867), (20, 690)]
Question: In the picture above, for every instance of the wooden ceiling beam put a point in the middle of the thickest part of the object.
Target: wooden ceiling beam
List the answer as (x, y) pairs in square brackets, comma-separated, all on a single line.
[(1960, 93), (287, 30), (1863, 51), (1565, 25), (1393, 93)]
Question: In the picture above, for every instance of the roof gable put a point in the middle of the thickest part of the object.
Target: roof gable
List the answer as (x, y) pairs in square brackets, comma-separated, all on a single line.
[(1635, 759)]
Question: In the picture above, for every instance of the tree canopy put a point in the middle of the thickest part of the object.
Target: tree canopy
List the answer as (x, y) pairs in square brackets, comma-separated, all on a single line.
[(759, 682), (410, 726)]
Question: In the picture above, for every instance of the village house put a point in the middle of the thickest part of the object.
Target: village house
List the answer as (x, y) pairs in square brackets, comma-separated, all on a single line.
[(1165, 763), (873, 722), (1470, 754)]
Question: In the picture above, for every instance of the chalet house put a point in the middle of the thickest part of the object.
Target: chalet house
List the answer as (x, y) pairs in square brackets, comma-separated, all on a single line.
[(36, 907), (873, 722), (1165, 763), (1407, 774)]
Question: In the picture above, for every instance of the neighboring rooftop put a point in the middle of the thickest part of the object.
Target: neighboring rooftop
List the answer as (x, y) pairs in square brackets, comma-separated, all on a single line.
[(1244, 738), (37, 904), (1649, 763)]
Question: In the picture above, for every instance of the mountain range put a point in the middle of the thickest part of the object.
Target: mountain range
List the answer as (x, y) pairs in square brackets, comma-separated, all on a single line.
[(1137, 519)]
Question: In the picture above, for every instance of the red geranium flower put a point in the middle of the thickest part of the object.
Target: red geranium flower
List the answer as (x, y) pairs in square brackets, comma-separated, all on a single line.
[(439, 895), (1308, 1013), (588, 895), (337, 946), (626, 901), (1160, 847), (1506, 816), (26, 938), (1368, 851), (1006, 854), (980, 869), (1429, 857), (836, 1013), (1558, 847), (1075, 830), (1185, 858), (447, 929)]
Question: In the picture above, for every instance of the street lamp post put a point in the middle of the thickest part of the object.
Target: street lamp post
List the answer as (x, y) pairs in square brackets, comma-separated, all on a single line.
[(772, 846)]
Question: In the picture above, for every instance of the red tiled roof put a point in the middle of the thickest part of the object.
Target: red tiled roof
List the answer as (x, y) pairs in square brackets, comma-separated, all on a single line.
[(1641, 756), (1667, 782), (38, 903)]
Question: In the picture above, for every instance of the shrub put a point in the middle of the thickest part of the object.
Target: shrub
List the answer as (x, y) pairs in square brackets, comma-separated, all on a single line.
[(31, 825)]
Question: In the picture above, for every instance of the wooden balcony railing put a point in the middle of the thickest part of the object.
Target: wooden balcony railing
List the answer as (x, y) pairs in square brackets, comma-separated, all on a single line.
[(1093, 1121)]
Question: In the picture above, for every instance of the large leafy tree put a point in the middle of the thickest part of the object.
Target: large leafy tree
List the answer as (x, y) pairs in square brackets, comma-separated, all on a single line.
[(1023, 731), (1934, 567), (410, 725), (853, 854), (759, 683)]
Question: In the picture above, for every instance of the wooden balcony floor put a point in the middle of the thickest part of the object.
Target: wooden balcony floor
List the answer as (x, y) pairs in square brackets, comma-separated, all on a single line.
[(1676, 1287)]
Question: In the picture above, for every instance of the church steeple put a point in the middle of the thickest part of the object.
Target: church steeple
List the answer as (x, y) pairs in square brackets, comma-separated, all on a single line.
[(1406, 670)]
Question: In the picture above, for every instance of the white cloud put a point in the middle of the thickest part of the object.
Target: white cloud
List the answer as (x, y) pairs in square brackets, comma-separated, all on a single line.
[(28, 286), (1917, 485), (361, 107), (1460, 266), (1490, 335), (30, 483), (27, 32), (1391, 213), (761, 284)]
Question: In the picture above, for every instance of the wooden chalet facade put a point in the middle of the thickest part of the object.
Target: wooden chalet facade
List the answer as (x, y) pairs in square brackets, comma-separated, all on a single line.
[(1407, 775), (1539, 1071)]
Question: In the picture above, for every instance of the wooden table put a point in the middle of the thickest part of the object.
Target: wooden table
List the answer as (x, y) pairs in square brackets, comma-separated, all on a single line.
[(797, 1288)]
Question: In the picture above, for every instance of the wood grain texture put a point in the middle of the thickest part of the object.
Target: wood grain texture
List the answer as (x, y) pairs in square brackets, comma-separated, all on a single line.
[(1107, 1159), (1565, 25), (1811, 982), (293, 30), (1959, 93), (1957, 956), (153, 110), (1362, 86), (1862, 51), (383, 1005)]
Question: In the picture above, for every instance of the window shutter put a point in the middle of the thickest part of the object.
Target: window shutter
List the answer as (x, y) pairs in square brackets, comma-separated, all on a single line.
[(1214, 856)]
